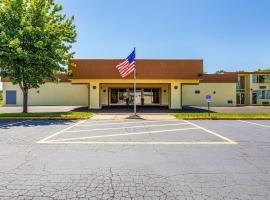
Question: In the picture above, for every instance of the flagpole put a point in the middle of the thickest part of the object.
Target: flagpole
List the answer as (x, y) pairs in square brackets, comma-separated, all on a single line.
[(135, 111)]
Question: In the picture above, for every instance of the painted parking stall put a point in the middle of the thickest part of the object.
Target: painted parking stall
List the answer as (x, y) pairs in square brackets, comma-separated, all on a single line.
[(136, 132)]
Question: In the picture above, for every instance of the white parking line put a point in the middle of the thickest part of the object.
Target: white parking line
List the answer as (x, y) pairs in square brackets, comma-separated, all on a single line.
[(137, 143), (212, 132), (122, 134), (254, 123), (104, 121), (59, 132), (11, 124), (121, 123), (105, 129)]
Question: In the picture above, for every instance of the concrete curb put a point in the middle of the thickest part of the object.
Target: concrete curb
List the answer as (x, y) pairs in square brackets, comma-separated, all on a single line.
[(43, 118), (224, 118)]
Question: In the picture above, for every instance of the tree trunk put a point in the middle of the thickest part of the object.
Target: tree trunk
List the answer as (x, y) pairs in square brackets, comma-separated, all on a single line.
[(25, 100)]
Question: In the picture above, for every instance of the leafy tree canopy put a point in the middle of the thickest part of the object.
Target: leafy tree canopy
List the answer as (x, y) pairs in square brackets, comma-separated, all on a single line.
[(221, 71), (35, 41), (262, 70)]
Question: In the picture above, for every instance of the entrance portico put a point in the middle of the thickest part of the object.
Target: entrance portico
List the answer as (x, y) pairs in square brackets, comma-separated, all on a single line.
[(159, 82), (113, 93)]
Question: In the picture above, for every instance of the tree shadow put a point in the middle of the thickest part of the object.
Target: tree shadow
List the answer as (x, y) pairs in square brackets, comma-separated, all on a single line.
[(7, 124), (193, 109)]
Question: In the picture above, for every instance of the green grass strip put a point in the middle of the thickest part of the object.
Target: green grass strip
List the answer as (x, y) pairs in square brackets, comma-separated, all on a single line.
[(222, 115), (60, 115)]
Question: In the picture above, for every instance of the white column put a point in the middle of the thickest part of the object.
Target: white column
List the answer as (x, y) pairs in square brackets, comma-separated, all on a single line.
[(94, 96), (176, 96)]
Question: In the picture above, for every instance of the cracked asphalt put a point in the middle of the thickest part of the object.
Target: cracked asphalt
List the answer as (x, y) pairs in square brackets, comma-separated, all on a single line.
[(116, 167)]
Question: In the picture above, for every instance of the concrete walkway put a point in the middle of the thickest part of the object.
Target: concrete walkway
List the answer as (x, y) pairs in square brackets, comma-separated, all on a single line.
[(124, 116)]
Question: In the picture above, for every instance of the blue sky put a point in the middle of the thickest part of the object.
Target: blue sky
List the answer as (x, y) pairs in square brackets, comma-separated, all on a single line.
[(226, 34)]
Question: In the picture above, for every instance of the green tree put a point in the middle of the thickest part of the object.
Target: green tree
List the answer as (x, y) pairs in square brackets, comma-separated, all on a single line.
[(221, 71), (35, 42), (262, 70)]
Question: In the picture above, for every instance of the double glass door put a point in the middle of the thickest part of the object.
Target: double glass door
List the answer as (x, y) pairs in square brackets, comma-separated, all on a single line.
[(240, 98), (126, 96), (138, 97)]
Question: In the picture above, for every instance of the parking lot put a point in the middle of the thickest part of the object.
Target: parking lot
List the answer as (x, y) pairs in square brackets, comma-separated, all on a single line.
[(135, 159)]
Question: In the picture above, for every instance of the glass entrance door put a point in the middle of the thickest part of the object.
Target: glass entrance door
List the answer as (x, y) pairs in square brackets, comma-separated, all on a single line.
[(240, 98), (138, 97), (119, 96), (144, 96), (254, 97)]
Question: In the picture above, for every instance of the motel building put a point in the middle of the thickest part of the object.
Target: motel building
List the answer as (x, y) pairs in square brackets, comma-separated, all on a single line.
[(168, 83)]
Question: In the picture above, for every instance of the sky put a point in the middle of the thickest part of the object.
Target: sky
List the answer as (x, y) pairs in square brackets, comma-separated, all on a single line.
[(227, 34)]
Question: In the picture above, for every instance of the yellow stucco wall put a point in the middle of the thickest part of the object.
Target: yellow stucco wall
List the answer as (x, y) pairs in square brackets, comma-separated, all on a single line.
[(224, 92), (62, 94), (256, 86)]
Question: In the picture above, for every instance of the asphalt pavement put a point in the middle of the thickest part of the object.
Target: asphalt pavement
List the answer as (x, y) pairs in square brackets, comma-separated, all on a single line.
[(135, 159)]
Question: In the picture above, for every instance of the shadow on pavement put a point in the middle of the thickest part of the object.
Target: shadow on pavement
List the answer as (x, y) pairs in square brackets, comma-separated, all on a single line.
[(145, 109), (192, 109), (7, 124)]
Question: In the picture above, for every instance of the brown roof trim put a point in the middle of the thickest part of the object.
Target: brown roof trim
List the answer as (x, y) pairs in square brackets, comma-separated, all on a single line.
[(86, 59), (146, 69), (239, 73), (219, 78)]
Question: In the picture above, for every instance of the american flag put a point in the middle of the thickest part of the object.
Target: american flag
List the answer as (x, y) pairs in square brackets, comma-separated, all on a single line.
[(127, 66)]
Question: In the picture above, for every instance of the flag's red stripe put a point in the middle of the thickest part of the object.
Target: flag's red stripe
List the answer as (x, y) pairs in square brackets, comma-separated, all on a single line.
[(130, 69), (128, 72), (125, 68), (121, 64)]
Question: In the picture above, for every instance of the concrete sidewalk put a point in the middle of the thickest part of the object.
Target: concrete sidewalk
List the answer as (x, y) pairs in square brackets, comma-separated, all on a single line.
[(125, 116)]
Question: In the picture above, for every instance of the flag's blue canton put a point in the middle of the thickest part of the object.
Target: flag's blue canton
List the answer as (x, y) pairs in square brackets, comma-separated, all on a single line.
[(131, 57)]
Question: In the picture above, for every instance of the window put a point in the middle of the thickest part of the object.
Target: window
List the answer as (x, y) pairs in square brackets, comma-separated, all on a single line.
[(240, 83), (262, 94), (151, 96), (155, 96), (123, 96), (114, 96), (254, 79), (267, 78), (261, 78), (197, 91), (119, 96), (268, 94)]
